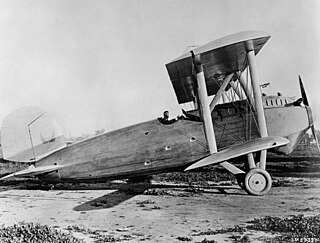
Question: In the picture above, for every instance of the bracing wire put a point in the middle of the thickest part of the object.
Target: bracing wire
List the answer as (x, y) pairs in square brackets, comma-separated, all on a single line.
[(251, 112)]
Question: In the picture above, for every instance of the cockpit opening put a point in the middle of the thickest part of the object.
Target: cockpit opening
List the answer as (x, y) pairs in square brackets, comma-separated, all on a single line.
[(165, 119)]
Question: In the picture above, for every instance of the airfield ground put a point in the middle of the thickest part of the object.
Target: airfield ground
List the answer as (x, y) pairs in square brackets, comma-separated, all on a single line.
[(214, 209)]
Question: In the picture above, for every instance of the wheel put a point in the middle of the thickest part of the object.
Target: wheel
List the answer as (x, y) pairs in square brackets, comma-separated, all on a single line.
[(257, 182)]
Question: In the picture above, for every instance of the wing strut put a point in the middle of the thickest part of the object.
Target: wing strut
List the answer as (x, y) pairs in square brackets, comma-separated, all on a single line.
[(220, 92), (246, 88), (203, 97), (258, 99)]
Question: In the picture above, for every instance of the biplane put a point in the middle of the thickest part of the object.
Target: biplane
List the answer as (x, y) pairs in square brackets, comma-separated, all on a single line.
[(227, 117)]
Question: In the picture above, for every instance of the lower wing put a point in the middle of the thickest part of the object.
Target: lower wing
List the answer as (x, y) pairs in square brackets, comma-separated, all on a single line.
[(239, 150)]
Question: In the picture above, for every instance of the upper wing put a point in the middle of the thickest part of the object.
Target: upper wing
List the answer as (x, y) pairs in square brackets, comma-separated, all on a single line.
[(239, 150), (219, 58), (34, 171)]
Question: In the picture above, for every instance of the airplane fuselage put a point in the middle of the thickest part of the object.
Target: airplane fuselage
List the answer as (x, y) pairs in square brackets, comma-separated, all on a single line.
[(142, 149), (152, 147)]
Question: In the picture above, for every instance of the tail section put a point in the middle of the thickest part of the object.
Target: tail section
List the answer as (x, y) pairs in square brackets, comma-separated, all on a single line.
[(29, 134)]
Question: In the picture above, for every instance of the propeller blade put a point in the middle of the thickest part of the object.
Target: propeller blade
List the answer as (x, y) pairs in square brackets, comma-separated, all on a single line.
[(303, 92), (306, 103), (315, 136)]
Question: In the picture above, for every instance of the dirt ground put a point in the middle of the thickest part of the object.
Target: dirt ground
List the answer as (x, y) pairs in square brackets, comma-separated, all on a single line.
[(166, 212)]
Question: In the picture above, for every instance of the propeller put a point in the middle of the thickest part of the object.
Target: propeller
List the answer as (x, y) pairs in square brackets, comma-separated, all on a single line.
[(306, 103), (303, 92)]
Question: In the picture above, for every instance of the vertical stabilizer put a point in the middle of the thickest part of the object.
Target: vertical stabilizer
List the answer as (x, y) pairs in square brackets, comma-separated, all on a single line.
[(29, 134)]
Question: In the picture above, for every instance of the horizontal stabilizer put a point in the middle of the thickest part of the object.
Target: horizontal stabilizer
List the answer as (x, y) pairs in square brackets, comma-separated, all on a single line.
[(34, 171), (239, 150)]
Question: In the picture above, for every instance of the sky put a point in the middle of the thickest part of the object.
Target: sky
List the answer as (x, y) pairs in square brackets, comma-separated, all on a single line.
[(101, 63)]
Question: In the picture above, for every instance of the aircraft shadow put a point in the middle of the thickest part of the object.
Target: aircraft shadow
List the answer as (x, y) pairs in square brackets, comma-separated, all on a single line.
[(112, 199), (130, 190), (122, 191), (104, 202)]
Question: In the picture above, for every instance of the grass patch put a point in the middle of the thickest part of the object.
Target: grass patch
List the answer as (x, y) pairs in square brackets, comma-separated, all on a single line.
[(32, 232), (295, 229)]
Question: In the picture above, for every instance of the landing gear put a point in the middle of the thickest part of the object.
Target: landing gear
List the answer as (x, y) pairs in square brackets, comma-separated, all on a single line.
[(253, 179), (240, 179), (257, 182)]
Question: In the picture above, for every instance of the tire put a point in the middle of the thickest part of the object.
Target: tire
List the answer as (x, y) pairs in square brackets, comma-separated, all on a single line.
[(257, 182)]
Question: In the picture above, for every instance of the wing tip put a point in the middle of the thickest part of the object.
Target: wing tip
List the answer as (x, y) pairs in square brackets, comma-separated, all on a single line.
[(189, 168)]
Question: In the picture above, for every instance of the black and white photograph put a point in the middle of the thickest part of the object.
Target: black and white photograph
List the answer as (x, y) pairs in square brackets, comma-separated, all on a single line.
[(159, 121)]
